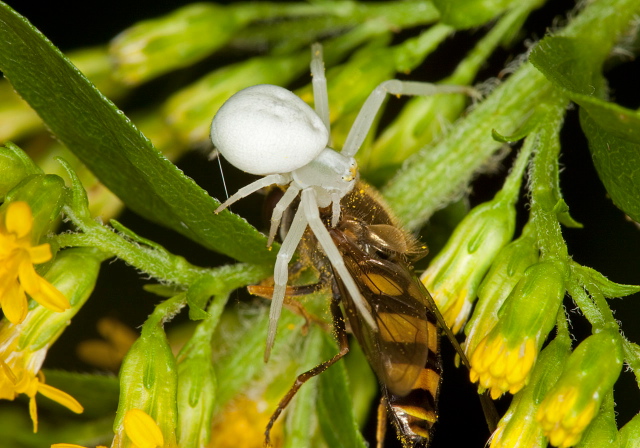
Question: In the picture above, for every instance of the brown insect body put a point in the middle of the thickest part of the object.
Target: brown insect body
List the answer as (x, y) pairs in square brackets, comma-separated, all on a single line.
[(404, 351)]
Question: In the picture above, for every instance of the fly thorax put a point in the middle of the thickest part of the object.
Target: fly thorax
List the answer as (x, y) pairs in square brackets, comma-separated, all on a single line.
[(328, 174)]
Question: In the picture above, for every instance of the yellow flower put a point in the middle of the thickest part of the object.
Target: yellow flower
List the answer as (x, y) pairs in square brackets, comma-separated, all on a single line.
[(20, 372), (17, 257), (24, 345), (455, 273), (588, 376), (22, 381), (501, 368), (561, 424)]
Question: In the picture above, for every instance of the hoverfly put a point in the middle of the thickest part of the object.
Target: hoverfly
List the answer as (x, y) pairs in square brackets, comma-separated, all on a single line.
[(404, 353)]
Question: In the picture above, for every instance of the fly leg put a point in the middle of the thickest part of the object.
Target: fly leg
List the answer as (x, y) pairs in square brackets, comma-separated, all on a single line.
[(266, 291), (381, 427), (341, 334)]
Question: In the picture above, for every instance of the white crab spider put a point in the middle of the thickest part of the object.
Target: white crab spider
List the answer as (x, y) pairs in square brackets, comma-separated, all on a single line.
[(268, 130)]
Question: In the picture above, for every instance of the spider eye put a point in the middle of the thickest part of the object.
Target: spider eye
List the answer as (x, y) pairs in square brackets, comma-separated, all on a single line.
[(267, 129)]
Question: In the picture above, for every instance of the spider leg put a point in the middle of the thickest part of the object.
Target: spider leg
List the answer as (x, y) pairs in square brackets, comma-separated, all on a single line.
[(341, 334), (284, 203), (335, 209), (319, 82), (279, 179), (281, 275), (372, 105), (310, 207)]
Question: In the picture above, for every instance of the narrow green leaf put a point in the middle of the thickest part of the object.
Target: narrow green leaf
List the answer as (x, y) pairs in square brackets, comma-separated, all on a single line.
[(594, 281), (111, 146), (613, 131), (335, 408)]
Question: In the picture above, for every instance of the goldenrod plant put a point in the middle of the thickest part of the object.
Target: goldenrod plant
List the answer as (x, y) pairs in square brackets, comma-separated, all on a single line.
[(94, 133)]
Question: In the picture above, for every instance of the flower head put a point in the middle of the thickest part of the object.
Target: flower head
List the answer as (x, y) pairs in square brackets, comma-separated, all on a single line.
[(17, 257), (24, 346), (502, 360), (455, 274), (505, 272), (518, 427), (588, 376)]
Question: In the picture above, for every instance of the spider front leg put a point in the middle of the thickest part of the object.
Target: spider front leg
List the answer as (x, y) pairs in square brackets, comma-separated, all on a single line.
[(309, 204), (319, 83), (281, 275), (371, 106), (278, 179)]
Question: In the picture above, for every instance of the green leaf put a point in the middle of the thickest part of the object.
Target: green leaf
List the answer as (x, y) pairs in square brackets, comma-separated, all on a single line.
[(335, 408), (111, 146), (594, 279), (613, 131)]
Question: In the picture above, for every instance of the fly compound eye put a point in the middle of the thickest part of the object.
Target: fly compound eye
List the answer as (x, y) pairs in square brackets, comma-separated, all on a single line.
[(267, 129)]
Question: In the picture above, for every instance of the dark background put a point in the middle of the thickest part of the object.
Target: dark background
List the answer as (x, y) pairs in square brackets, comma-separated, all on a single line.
[(609, 243)]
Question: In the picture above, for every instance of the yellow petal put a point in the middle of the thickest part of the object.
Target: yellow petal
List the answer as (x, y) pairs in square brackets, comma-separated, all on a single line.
[(142, 429), (29, 278), (19, 219), (66, 445), (63, 398), (33, 412), (40, 254), (41, 290), (14, 303)]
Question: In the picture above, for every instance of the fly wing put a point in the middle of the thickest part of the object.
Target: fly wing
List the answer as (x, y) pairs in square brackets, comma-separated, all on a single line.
[(399, 348)]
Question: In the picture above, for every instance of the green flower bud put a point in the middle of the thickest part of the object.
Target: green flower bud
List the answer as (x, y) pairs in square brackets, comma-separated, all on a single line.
[(503, 359), (507, 269), (196, 392), (456, 272), (629, 434), (45, 195), (156, 46), (588, 376), (148, 383), (518, 427), (15, 165), (603, 430)]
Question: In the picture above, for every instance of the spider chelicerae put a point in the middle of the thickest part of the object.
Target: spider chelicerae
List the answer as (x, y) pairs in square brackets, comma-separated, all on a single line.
[(268, 130)]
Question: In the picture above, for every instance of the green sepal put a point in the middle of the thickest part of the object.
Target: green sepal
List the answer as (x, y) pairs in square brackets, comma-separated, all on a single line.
[(198, 295), (15, 165), (561, 210)]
